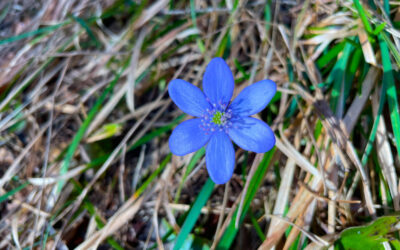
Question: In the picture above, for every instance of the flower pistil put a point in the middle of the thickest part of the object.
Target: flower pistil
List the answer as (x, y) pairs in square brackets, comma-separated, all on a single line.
[(217, 119)]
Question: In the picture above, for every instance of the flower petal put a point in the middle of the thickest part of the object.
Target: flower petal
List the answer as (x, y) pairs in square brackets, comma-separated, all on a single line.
[(218, 82), (253, 98), (189, 98), (220, 158), (188, 137), (252, 134)]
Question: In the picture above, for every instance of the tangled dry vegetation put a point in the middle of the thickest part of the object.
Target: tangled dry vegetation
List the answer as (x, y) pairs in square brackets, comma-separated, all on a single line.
[(85, 120)]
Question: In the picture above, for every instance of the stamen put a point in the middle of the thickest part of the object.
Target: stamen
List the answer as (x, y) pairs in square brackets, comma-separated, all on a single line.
[(217, 119)]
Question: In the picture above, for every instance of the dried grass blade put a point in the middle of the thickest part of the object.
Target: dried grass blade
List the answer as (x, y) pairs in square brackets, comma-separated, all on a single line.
[(292, 153), (132, 70), (112, 225), (51, 180), (353, 113), (385, 156), (229, 229), (15, 166), (85, 125), (283, 194), (366, 46)]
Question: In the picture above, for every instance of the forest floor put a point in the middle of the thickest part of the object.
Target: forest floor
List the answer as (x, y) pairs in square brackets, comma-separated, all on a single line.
[(85, 118)]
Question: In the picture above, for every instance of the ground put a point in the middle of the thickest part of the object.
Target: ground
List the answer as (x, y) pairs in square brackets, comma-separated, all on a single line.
[(85, 118)]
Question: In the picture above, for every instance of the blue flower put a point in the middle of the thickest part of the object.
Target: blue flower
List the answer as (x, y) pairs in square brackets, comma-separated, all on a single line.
[(218, 120)]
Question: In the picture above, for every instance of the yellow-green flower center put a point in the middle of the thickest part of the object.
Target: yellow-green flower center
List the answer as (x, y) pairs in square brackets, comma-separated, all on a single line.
[(216, 119)]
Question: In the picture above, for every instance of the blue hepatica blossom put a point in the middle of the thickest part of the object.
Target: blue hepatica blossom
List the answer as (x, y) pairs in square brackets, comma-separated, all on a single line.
[(218, 120)]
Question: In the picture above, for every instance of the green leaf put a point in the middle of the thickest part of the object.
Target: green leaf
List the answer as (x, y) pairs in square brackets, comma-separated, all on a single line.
[(351, 72), (85, 125), (392, 48), (372, 236), (223, 45), (267, 16), (46, 30), (143, 187), (196, 157), (106, 131), (194, 21), (372, 136), (379, 28), (4, 12), (146, 138), (88, 30), (338, 76), (194, 213), (10, 193), (395, 244), (390, 91), (33, 76), (386, 7), (231, 231), (363, 16), (241, 69), (330, 55), (257, 227), (157, 132)]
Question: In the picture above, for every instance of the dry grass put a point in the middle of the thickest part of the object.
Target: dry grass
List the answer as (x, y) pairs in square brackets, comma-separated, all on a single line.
[(85, 119)]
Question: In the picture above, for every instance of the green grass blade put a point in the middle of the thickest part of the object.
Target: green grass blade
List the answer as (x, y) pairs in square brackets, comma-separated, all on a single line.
[(372, 136), (231, 231), (392, 48), (146, 138), (390, 91), (47, 29), (157, 132), (338, 76), (363, 16), (330, 55), (379, 28), (267, 16), (196, 158), (194, 213), (222, 47), (93, 212), (4, 12), (386, 7), (85, 125), (24, 84), (194, 21), (34, 75), (351, 71), (143, 187), (10, 193), (257, 227), (241, 69), (88, 30), (395, 244)]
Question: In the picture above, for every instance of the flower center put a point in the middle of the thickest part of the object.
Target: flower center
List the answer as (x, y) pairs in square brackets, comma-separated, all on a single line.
[(218, 118)]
